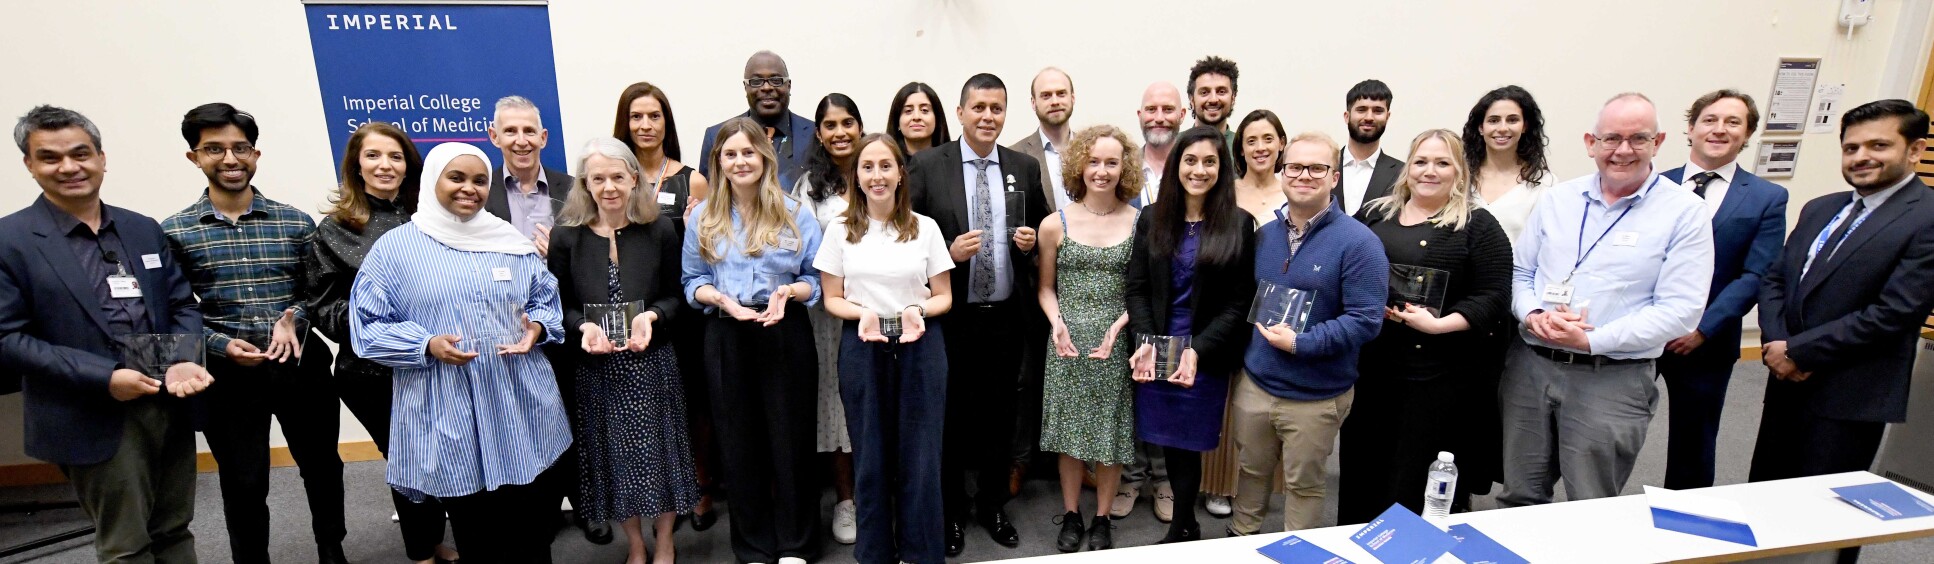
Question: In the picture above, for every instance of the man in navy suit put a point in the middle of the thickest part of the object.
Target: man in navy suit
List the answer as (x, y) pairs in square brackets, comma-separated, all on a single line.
[(1841, 310), (1748, 219), (76, 276), (768, 93)]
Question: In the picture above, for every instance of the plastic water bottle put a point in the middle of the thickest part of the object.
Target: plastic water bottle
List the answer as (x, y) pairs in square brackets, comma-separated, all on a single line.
[(1439, 487)]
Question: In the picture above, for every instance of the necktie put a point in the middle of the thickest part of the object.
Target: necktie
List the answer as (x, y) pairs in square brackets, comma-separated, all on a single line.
[(1840, 233), (982, 283), (1700, 180)]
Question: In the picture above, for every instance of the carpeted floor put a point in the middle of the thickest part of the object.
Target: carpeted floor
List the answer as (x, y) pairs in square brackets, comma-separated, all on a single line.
[(372, 538)]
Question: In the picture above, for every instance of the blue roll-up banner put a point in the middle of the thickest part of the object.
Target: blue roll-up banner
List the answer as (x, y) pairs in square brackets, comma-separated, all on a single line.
[(434, 69)]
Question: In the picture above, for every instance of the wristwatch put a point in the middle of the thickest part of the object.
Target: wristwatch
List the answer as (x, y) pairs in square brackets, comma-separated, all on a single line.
[(923, 310)]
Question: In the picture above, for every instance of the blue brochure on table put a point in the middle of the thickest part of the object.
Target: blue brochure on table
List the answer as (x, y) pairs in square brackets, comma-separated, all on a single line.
[(1297, 550), (1475, 547), (1401, 537), (1885, 500), (1701, 515)]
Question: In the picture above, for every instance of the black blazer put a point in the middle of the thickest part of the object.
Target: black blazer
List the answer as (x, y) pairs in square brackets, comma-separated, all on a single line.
[(1382, 178), (939, 192), (558, 182), (1478, 258), (1218, 300), (52, 333), (1853, 319), (648, 270)]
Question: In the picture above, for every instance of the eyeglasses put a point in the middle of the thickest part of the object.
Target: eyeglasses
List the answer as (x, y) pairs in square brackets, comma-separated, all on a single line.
[(776, 82), (241, 151), (1294, 170), (1637, 140)]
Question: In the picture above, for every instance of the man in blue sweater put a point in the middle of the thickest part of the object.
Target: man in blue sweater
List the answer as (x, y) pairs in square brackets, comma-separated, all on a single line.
[(1296, 387)]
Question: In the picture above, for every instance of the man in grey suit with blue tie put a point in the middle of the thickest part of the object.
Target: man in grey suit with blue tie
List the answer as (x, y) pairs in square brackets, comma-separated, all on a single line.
[(1748, 220), (77, 278)]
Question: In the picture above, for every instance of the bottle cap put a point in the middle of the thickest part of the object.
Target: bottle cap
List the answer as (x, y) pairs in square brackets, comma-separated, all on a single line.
[(1446, 456)]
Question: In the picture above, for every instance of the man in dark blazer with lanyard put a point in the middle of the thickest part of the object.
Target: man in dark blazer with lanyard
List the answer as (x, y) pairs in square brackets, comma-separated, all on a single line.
[(530, 195), (1748, 219), (76, 276), (1364, 171), (1842, 308), (996, 296), (768, 93)]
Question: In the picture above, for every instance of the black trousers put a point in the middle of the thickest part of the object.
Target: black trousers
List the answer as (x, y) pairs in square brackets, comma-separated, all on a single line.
[(562, 483), (764, 384), (1795, 442), (300, 394), (508, 525), (365, 390), (984, 345), (1696, 393), (1395, 429)]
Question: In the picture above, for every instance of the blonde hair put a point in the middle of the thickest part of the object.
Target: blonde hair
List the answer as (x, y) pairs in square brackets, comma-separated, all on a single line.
[(1313, 137), (1075, 160), (581, 208), (1457, 212), (768, 215)]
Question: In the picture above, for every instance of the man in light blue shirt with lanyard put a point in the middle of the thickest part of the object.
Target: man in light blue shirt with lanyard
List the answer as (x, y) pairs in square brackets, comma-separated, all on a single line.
[(1609, 268)]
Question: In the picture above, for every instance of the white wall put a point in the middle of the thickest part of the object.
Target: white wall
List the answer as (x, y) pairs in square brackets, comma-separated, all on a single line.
[(134, 67)]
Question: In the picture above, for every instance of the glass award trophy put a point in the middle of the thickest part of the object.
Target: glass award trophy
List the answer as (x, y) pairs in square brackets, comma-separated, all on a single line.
[(1168, 352), (1276, 304), (491, 323), (1016, 209), (890, 327), (256, 326), (153, 353), (614, 319), (1418, 285)]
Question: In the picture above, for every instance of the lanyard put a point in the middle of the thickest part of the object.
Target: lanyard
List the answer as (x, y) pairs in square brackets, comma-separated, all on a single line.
[(1584, 251), (1820, 242)]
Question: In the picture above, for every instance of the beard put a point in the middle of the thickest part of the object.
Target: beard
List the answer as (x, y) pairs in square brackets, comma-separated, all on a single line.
[(1889, 174), (1048, 118), (1158, 136), (1373, 136)]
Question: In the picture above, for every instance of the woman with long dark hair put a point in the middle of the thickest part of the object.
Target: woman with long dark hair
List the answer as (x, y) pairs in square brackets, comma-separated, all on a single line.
[(824, 187), (378, 163), (1504, 142), (646, 125), (1191, 276), (916, 119), (880, 261), (1429, 352)]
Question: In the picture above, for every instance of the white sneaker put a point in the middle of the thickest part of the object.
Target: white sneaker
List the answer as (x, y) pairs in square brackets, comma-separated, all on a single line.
[(395, 518), (846, 528), (1218, 506), (793, 559)]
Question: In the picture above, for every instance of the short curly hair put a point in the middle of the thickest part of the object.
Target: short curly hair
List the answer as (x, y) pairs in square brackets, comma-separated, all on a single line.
[(1075, 160)]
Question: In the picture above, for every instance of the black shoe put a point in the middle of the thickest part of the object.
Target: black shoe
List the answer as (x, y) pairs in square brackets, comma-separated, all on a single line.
[(1182, 533), (598, 532), (330, 554), (999, 528), (1071, 532), (703, 521), (956, 538), (1101, 534)]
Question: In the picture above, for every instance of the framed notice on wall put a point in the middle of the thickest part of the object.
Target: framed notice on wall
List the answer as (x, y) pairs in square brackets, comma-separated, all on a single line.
[(1777, 158), (1787, 108)]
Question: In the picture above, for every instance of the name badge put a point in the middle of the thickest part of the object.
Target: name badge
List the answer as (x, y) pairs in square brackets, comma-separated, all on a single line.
[(500, 274), (667, 198), (1557, 293), (123, 286), (1625, 239), (151, 261), (789, 243)]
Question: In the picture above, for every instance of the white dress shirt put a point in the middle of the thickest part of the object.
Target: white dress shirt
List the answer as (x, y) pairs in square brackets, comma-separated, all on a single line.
[(1052, 157), (1151, 180), (1716, 191), (1356, 178)]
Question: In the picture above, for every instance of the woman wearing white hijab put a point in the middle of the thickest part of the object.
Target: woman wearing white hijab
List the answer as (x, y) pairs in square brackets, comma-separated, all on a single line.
[(456, 302)]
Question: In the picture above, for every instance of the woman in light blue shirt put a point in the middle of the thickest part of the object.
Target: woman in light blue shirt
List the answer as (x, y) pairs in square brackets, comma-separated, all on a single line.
[(748, 264), (456, 302)]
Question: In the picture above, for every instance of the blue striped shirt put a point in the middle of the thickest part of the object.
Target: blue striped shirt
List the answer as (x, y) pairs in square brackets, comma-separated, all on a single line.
[(459, 430), (735, 273), (246, 270)]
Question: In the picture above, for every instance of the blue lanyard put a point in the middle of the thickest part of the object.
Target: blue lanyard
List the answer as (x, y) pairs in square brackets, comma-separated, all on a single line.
[(1820, 242), (1585, 252)]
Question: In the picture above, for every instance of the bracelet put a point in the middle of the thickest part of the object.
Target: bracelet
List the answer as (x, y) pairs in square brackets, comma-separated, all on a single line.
[(921, 308)]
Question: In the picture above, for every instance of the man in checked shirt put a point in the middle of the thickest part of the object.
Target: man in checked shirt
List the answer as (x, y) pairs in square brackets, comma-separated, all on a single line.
[(242, 254)]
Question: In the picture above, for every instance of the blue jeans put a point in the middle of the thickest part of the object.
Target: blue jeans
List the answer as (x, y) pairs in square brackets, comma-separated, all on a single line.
[(896, 405)]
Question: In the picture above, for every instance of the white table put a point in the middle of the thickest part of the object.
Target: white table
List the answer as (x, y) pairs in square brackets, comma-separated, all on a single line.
[(1788, 517)]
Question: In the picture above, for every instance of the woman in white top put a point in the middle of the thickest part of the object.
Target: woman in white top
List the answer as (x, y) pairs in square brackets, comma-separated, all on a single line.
[(824, 188), (1258, 157), (1504, 140), (881, 260)]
